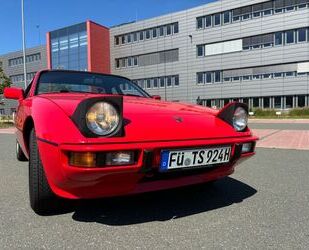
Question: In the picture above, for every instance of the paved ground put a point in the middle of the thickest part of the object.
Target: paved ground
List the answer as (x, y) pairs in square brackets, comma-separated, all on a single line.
[(264, 205), (282, 134)]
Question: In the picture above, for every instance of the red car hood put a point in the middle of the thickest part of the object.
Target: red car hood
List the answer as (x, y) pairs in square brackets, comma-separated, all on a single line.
[(153, 120)]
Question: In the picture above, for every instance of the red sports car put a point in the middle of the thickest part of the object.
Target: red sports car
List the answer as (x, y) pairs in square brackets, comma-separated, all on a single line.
[(89, 135)]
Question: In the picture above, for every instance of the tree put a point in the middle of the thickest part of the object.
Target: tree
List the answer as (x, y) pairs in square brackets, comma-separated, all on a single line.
[(4, 81)]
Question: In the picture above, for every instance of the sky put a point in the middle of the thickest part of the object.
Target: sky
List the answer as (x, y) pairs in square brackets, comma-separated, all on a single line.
[(42, 16)]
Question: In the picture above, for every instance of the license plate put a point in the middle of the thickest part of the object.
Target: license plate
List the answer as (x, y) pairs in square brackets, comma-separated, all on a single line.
[(194, 157)]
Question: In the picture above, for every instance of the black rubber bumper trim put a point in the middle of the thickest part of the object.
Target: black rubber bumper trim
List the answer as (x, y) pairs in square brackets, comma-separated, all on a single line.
[(147, 162)]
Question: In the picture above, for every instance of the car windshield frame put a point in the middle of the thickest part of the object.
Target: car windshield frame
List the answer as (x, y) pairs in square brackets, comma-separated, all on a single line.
[(96, 80)]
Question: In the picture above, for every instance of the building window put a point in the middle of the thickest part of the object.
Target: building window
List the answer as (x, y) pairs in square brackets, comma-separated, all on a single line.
[(199, 23), (236, 79), (289, 37), (289, 74), (161, 31), (266, 103), (147, 34), (176, 80), (256, 77), (289, 102), (162, 82), (246, 78), (302, 4), (135, 37), (155, 83), (208, 22), (217, 19), (29, 59), (226, 17), (200, 79), (267, 76), (141, 35), (278, 75), (168, 30), (2, 112), (123, 39), (208, 77), (278, 38), (123, 63), (217, 77), (169, 81), (256, 102), (128, 38), (175, 28), (135, 62), (148, 84), (301, 101), (277, 102), (200, 50), (130, 64), (302, 35)]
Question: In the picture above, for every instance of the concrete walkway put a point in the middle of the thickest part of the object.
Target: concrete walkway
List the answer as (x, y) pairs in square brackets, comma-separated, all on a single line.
[(7, 130), (280, 121), (281, 133)]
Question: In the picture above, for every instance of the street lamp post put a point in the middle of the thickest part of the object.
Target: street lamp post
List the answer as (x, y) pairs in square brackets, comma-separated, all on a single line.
[(24, 41)]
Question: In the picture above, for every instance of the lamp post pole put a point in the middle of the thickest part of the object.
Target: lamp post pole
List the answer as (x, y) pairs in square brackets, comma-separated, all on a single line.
[(24, 41)]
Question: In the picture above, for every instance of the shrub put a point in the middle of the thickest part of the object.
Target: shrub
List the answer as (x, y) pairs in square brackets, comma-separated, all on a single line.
[(299, 112), (264, 112)]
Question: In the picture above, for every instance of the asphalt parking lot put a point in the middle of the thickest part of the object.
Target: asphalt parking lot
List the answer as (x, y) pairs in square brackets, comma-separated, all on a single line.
[(263, 205)]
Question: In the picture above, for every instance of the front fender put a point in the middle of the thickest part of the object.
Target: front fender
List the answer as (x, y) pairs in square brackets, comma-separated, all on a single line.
[(53, 124)]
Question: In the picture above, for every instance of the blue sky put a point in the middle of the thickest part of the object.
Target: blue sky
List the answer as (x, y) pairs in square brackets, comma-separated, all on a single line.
[(45, 15)]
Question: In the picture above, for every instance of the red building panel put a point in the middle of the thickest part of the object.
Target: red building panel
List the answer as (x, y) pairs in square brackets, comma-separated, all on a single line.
[(48, 50), (98, 48)]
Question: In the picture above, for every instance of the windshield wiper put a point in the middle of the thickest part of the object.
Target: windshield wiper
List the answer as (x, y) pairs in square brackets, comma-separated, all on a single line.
[(133, 95), (75, 91)]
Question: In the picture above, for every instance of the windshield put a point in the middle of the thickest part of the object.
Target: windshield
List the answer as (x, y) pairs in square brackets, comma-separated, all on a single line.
[(84, 82)]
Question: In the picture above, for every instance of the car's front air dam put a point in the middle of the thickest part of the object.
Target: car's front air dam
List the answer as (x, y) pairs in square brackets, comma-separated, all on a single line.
[(83, 183)]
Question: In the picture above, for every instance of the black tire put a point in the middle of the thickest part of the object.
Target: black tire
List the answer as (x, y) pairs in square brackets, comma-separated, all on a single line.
[(42, 200), (19, 153)]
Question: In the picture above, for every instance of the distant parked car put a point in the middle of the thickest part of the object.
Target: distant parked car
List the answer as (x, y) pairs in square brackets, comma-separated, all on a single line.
[(89, 135)]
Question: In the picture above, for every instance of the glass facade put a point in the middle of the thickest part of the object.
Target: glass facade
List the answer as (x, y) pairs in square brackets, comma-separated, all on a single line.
[(69, 48)]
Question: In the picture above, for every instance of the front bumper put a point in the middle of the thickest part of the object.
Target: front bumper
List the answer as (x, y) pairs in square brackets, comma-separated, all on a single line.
[(82, 183)]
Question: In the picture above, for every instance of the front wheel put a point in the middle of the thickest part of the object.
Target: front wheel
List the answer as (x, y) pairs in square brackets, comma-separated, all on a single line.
[(42, 199), (19, 153)]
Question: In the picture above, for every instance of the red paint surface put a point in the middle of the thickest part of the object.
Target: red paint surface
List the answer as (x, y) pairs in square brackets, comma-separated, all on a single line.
[(152, 126), (48, 51), (98, 48)]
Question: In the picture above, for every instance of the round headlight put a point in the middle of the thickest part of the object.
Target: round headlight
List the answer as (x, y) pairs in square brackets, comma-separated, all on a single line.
[(240, 119), (102, 118)]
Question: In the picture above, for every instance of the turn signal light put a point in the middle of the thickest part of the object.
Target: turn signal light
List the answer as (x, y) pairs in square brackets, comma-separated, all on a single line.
[(247, 148), (102, 159), (119, 158), (83, 159)]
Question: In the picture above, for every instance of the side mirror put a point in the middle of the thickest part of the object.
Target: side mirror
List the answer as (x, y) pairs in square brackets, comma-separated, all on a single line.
[(156, 97), (14, 93)]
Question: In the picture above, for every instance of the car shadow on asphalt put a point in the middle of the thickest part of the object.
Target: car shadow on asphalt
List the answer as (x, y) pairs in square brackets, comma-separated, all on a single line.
[(163, 205)]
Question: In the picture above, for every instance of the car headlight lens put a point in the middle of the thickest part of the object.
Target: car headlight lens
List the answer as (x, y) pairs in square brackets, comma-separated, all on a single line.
[(102, 118), (240, 119)]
